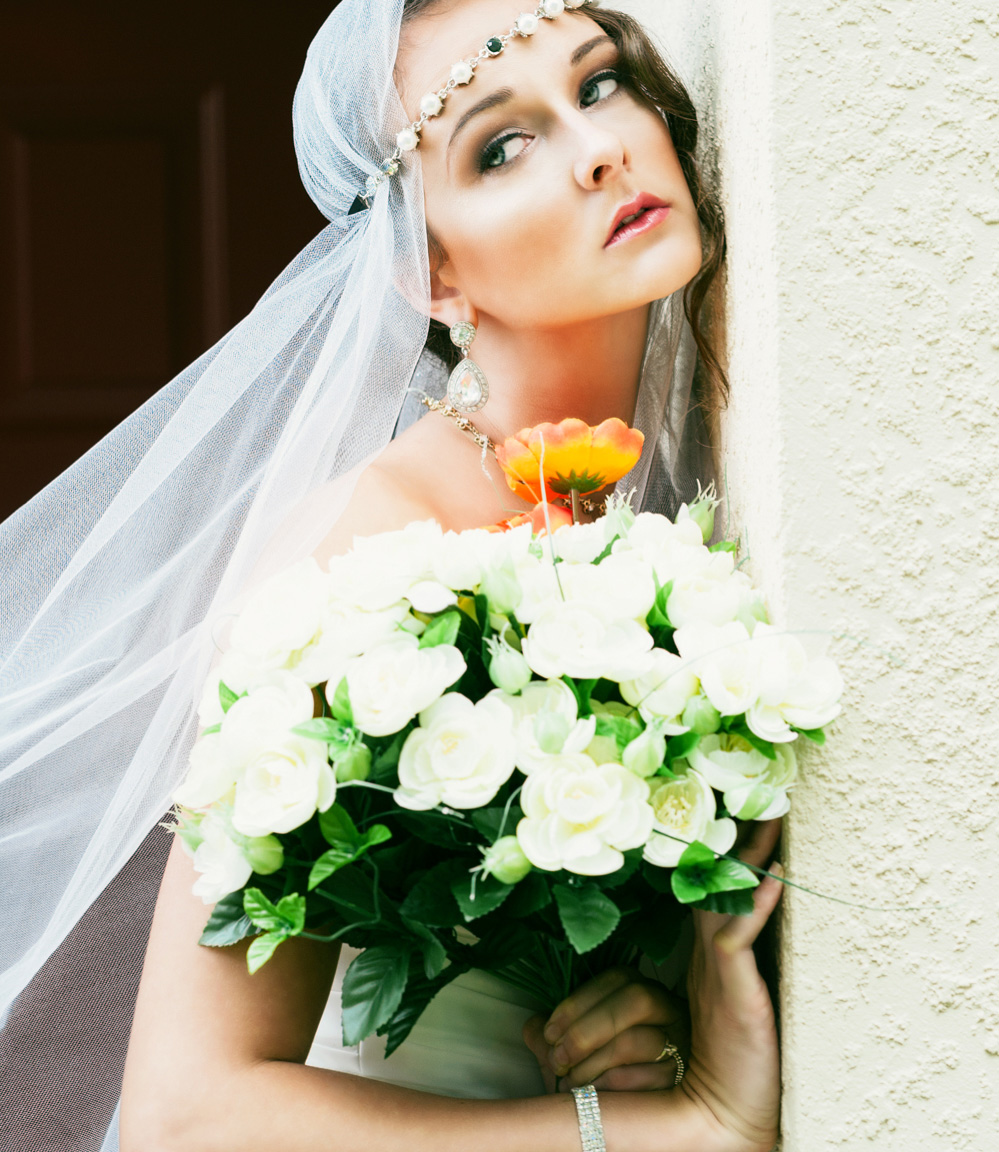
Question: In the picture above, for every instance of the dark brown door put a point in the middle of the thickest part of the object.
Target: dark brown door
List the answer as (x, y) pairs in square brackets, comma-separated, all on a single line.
[(148, 195)]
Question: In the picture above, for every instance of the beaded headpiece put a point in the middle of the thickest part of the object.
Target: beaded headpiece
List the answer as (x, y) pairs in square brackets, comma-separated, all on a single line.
[(432, 104)]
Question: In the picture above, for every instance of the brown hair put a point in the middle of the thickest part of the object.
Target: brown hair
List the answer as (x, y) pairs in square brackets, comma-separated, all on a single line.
[(658, 87)]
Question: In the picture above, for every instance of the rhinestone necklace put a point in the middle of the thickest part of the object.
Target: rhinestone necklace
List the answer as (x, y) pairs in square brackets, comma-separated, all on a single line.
[(462, 421)]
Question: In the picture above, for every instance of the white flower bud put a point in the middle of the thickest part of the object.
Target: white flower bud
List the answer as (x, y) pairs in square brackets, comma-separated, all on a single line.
[(508, 669), (550, 731), (701, 716), (264, 853), (646, 753), (506, 861), (354, 764), (702, 512), (501, 587)]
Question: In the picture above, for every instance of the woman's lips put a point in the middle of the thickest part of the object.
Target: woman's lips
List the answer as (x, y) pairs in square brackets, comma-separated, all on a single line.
[(649, 212)]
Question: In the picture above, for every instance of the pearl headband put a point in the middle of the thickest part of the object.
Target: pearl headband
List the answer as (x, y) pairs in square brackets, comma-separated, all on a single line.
[(432, 104)]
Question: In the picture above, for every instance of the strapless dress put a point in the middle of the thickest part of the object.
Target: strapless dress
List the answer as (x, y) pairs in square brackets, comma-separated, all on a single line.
[(467, 1043)]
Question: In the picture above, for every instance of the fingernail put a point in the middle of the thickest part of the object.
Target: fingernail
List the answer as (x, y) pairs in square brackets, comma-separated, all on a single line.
[(776, 869), (551, 1033)]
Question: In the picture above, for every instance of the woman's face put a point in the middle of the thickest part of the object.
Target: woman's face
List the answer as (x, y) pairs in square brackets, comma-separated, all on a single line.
[(531, 165)]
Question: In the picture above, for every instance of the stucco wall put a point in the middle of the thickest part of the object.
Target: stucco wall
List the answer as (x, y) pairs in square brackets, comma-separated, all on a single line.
[(858, 151)]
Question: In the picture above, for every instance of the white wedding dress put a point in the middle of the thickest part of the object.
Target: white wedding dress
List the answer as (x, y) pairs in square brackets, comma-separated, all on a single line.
[(467, 1043)]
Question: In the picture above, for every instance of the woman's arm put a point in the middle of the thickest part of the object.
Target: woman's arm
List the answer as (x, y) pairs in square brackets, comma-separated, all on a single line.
[(215, 1065)]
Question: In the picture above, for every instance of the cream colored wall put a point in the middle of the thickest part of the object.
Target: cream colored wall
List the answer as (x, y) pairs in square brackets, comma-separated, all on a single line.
[(858, 146)]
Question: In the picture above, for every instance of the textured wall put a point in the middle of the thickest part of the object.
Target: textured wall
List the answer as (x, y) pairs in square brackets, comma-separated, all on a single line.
[(858, 146)]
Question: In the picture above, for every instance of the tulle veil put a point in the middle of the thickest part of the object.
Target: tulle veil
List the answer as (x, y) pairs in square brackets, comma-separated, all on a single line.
[(114, 574)]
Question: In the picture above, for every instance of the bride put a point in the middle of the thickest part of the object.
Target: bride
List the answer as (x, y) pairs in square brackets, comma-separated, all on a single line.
[(545, 197)]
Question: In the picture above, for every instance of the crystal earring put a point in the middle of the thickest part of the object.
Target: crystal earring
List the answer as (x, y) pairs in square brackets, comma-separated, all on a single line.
[(467, 389)]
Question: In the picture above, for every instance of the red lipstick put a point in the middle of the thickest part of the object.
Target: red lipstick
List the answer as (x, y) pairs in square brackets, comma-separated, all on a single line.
[(637, 216)]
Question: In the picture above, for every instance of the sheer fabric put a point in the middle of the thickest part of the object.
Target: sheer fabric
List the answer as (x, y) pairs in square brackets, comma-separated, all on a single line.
[(116, 574)]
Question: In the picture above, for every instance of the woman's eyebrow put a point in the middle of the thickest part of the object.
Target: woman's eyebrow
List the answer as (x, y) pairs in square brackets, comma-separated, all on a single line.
[(502, 95)]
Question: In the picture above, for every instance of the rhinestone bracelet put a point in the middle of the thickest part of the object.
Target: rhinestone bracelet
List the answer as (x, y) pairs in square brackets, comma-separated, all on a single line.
[(591, 1130)]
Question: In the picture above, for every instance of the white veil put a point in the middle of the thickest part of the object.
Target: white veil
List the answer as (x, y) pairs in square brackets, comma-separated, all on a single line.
[(112, 575)]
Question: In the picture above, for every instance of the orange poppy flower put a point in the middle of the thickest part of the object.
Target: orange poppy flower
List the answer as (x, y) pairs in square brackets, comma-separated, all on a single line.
[(577, 457)]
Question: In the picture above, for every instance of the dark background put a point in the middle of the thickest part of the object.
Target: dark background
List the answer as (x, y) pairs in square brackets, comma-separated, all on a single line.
[(148, 195)]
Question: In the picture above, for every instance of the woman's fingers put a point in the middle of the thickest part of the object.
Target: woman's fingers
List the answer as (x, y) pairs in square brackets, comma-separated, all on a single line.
[(636, 1048), (533, 1033), (584, 998), (741, 931), (637, 1003), (758, 840)]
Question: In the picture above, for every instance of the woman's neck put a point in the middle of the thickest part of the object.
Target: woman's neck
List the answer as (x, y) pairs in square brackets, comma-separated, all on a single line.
[(590, 371)]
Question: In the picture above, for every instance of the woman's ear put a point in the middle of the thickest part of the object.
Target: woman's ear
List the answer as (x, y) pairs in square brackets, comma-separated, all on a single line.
[(449, 304)]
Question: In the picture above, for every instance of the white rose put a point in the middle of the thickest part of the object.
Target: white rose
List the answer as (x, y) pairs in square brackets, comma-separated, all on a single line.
[(282, 787), (582, 816), (458, 559), (461, 755), (576, 638), (765, 796), (210, 775), (264, 718), (622, 585), (546, 723), (684, 811), (537, 586), (379, 570), (239, 673), (282, 614), (222, 864), (712, 595), (390, 685), (664, 691), (580, 543), (346, 632), (792, 689), (673, 550), (725, 661), (752, 786)]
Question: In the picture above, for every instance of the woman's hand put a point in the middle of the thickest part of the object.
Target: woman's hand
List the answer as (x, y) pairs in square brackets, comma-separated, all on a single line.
[(734, 1075), (609, 1033)]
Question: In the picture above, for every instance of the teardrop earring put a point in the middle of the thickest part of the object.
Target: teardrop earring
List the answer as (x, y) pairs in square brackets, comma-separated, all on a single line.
[(467, 388)]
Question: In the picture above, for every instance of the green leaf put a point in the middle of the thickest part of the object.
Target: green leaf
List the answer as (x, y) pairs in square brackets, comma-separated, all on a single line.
[(291, 909), (418, 994), (227, 923), (210, 730), (587, 915), (340, 703), (325, 728), (678, 747), (262, 949), (738, 903), (656, 929), (443, 629), (581, 689), (530, 895), (489, 821), (226, 696), (725, 546), (372, 989), (816, 735), (658, 617), (477, 894), (331, 861), (337, 826), (632, 862), (261, 911), (430, 900), (386, 761), (621, 729), (657, 878), (434, 952), (699, 874)]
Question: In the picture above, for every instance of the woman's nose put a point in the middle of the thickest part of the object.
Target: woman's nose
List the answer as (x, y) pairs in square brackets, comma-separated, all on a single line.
[(600, 155)]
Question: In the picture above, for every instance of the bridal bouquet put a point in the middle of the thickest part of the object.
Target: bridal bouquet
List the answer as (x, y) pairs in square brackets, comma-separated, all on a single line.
[(542, 734)]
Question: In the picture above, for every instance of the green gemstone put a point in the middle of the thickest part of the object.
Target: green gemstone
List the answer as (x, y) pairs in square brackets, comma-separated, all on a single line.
[(494, 46)]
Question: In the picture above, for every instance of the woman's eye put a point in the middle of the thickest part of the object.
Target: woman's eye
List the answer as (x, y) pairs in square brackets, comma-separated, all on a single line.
[(598, 88), (502, 151)]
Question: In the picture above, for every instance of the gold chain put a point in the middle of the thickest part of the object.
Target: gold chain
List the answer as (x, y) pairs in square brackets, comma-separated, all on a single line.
[(483, 441)]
